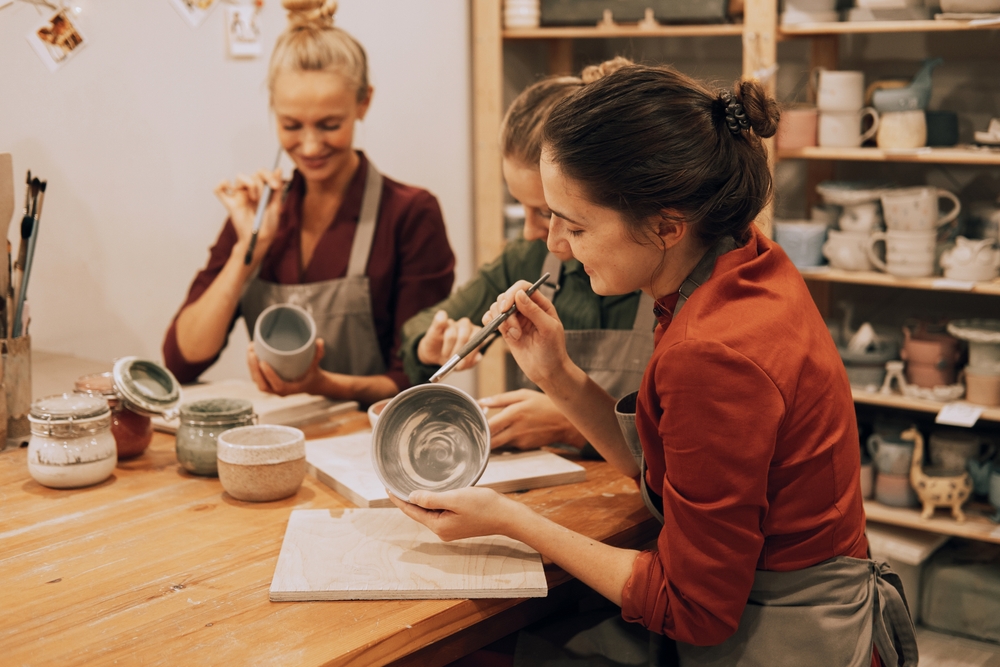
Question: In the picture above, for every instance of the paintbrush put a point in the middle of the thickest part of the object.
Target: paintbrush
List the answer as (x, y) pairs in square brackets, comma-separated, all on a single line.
[(22, 249), (484, 333), (32, 237), (265, 198)]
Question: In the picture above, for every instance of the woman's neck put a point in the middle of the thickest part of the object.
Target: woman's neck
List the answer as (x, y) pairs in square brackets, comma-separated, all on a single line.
[(678, 263)]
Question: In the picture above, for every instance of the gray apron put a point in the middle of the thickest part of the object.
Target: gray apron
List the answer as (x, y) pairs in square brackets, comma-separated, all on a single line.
[(342, 308), (830, 613), (614, 358)]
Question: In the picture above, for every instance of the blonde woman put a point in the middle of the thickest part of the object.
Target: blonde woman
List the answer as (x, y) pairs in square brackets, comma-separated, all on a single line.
[(609, 337), (362, 252)]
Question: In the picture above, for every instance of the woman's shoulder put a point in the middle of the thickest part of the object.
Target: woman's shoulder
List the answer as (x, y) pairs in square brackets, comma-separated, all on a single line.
[(406, 196)]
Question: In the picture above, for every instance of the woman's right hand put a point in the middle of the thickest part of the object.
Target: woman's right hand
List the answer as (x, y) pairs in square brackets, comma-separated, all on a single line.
[(241, 196), (534, 333), (444, 338)]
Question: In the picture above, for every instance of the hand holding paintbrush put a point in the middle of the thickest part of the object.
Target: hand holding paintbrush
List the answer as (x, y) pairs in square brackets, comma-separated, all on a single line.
[(253, 211)]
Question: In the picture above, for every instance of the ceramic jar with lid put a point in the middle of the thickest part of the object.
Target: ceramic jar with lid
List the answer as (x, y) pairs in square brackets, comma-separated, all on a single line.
[(135, 390), (201, 422), (71, 443)]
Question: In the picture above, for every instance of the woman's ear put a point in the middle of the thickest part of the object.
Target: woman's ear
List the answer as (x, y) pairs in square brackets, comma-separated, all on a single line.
[(671, 228), (365, 102)]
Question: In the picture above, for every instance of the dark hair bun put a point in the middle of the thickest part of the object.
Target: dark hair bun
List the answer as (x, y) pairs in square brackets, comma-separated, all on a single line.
[(761, 109), (593, 73)]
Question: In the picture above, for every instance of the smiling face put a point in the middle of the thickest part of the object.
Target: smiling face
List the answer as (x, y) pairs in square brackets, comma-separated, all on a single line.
[(525, 185), (315, 112), (597, 237)]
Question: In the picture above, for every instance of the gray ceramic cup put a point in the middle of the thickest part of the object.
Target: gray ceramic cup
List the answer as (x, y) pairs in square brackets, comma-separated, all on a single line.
[(890, 457), (284, 336), (433, 437)]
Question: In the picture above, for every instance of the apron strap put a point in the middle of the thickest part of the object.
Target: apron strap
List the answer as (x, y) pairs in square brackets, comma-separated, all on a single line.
[(553, 266), (703, 271), (892, 627), (364, 233)]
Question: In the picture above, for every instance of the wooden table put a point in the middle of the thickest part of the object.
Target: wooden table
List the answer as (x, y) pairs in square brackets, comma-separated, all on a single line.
[(159, 567)]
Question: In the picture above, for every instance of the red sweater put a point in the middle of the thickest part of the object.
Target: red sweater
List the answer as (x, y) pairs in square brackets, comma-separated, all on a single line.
[(747, 423), (411, 265)]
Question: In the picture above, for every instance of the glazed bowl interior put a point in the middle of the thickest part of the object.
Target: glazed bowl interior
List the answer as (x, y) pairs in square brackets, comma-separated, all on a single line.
[(375, 409), (433, 437)]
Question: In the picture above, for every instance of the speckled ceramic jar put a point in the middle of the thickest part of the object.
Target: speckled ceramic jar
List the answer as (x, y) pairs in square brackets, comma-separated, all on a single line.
[(262, 463), (71, 443), (201, 423)]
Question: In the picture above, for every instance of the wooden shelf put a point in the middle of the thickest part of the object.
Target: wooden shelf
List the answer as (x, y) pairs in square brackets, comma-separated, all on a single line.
[(859, 27), (957, 155), (877, 279), (625, 30), (917, 404), (977, 526)]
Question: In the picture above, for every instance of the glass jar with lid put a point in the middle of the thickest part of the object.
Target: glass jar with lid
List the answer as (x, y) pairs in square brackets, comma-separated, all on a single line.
[(201, 422), (71, 443), (136, 390)]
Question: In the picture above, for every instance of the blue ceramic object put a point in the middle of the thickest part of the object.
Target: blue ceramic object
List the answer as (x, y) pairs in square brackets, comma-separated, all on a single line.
[(913, 97)]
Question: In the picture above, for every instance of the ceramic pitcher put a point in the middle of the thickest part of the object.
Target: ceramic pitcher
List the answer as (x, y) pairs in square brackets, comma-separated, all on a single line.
[(971, 259)]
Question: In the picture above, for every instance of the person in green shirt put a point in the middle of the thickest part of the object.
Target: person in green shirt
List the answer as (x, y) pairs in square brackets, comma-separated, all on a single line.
[(610, 336)]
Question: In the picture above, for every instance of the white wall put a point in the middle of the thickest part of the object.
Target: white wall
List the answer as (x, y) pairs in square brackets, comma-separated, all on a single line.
[(135, 131)]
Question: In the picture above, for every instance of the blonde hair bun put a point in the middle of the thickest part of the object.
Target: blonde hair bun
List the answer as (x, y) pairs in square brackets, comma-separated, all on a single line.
[(310, 13), (592, 73)]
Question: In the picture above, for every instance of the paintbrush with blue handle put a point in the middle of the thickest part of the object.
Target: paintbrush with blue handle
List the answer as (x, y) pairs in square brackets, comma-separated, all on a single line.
[(265, 198)]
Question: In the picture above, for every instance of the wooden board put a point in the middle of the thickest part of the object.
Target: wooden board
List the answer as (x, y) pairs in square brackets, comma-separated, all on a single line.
[(292, 410), (381, 554), (344, 464)]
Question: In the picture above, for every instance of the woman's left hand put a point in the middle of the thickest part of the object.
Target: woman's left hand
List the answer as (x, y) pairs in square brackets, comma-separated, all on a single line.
[(461, 513), (268, 380)]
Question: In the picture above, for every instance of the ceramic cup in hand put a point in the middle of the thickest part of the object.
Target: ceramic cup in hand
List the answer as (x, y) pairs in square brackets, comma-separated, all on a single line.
[(285, 337)]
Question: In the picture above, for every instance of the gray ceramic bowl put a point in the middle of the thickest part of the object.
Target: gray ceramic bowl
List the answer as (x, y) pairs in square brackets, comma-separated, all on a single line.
[(285, 337), (433, 437)]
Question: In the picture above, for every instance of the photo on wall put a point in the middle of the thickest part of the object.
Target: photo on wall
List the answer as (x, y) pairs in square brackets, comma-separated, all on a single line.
[(56, 40), (193, 11), (242, 31)]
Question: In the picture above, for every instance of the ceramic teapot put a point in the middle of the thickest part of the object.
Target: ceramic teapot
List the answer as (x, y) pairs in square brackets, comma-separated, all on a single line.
[(971, 259), (913, 97)]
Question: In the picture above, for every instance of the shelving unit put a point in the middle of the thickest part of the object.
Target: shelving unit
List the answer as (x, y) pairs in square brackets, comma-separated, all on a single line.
[(864, 27), (875, 279), (977, 526), (901, 402), (971, 156)]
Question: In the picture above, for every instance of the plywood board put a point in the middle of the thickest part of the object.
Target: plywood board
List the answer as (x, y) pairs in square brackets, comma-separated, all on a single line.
[(381, 554), (344, 464), (292, 410)]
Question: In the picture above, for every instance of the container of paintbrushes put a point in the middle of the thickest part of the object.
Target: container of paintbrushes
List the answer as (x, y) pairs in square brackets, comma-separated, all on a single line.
[(17, 388)]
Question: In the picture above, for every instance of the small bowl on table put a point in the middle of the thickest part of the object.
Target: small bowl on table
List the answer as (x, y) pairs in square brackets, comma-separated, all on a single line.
[(262, 463), (430, 437)]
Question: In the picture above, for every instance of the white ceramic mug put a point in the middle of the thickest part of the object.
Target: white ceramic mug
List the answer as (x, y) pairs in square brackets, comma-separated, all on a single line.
[(842, 129), (838, 90), (847, 250), (902, 129), (285, 337), (802, 241), (916, 209), (907, 254), (862, 217)]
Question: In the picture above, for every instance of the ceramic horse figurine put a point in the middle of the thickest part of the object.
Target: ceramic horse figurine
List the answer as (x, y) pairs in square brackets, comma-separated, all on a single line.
[(934, 492)]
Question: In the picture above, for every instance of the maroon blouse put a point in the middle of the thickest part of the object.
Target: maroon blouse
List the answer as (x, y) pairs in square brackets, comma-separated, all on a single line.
[(411, 265)]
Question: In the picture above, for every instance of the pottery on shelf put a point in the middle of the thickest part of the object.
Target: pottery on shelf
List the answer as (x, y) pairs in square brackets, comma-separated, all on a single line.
[(983, 336), (971, 259), (930, 357), (909, 98), (936, 491)]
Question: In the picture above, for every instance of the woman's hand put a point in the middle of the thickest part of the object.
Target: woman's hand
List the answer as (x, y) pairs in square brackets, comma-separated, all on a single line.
[(266, 379), (528, 420), (444, 338), (534, 334), (241, 197), (461, 513)]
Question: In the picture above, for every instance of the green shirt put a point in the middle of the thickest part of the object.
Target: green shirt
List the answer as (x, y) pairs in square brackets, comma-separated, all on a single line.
[(576, 303)]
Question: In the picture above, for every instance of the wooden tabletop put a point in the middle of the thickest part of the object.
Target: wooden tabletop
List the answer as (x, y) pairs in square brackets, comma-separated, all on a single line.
[(159, 567)]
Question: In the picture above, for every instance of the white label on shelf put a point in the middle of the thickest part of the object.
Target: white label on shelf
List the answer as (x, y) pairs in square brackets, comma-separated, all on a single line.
[(959, 414), (949, 284)]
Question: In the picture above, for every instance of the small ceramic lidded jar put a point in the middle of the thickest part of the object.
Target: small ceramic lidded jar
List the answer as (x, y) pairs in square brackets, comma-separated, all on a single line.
[(71, 443), (201, 424)]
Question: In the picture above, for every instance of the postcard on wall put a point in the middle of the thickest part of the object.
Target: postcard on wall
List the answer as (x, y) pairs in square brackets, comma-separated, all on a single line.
[(242, 31), (57, 39), (194, 11)]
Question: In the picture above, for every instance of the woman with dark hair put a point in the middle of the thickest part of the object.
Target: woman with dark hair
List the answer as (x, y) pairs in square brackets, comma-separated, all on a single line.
[(742, 435)]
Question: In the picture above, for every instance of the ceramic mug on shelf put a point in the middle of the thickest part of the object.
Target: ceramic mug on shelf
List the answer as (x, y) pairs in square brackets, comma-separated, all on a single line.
[(917, 209), (797, 128), (847, 250), (891, 457), (838, 90), (907, 254), (971, 259), (842, 129), (950, 451), (895, 490), (863, 217), (802, 241), (901, 130), (982, 387)]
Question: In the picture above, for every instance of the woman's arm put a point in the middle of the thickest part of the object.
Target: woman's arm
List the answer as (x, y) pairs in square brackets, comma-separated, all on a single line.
[(203, 325), (473, 511)]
